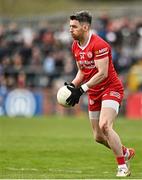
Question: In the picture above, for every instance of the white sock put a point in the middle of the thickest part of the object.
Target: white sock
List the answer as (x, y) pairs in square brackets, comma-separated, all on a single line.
[(123, 166)]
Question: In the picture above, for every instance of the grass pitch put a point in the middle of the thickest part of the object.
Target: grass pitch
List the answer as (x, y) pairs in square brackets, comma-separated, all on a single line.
[(62, 148)]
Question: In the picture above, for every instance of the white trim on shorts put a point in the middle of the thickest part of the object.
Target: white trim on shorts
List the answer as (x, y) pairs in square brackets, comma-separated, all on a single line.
[(111, 104), (94, 115), (105, 103)]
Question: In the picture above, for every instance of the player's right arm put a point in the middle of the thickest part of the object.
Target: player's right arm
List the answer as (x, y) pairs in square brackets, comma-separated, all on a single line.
[(77, 81)]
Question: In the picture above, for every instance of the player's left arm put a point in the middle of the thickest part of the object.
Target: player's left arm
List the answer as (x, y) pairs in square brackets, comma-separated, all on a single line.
[(102, 67)]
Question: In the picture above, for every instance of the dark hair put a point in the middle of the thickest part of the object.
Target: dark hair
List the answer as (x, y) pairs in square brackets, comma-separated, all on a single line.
[(82, 16)]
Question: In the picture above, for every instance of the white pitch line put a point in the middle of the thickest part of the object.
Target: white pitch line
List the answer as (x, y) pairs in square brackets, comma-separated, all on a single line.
[(21, 169), (65, 171)]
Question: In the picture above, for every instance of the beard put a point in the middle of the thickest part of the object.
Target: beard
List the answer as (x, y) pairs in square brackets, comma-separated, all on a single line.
[(75, 37)]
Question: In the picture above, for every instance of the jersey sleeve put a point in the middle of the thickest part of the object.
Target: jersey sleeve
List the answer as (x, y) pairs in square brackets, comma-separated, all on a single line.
[(101, 50)]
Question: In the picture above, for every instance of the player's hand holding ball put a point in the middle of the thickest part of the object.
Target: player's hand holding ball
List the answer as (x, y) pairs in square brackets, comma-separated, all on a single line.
[(75, 95), (63, 94), (76, 92), (69, 95)]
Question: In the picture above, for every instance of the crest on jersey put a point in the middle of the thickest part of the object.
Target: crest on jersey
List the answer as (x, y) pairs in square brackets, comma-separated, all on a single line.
[(89, 54), (82, 55)]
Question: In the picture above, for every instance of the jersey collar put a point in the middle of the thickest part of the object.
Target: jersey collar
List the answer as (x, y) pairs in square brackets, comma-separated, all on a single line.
[(83, 47)]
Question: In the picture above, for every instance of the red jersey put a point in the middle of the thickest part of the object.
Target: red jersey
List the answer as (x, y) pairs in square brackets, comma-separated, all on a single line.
[(96, 49)]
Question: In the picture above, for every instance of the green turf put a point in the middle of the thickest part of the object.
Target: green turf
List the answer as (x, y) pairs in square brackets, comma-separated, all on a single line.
[(61, 147)]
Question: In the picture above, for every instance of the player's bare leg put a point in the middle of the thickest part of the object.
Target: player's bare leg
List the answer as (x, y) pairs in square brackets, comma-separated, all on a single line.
[(107, 116), (100, 138), (98, 135)]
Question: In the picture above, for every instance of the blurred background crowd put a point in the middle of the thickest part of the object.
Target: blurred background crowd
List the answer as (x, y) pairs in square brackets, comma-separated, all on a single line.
[(38, 56)]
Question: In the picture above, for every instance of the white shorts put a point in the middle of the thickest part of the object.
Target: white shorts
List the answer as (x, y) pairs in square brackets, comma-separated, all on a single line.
[(105, 103)]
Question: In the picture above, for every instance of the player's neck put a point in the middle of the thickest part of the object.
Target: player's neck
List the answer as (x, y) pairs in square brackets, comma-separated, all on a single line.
[(84, 39)]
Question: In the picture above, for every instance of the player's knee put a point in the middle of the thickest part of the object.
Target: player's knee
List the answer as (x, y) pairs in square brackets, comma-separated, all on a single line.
[(104, 127)]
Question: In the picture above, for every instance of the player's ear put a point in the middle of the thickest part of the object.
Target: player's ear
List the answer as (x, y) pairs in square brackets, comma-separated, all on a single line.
[(85, 27)]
